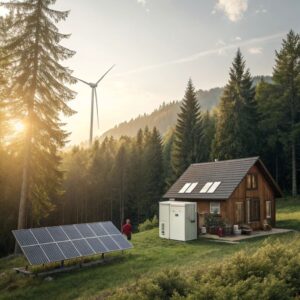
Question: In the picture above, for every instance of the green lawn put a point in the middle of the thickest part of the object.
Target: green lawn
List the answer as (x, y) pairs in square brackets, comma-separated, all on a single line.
[(149, 255)]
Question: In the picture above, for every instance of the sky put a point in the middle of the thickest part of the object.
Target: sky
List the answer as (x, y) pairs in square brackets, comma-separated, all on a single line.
[(157, 45)]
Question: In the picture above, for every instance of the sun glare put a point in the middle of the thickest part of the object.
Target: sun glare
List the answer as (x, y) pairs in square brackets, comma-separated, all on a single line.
[(19, 127)]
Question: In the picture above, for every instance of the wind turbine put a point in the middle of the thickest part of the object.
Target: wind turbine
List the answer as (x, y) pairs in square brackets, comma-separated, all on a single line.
[(94, 98)]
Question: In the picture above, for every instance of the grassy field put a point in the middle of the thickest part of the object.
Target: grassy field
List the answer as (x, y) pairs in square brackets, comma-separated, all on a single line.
[(150, 254)]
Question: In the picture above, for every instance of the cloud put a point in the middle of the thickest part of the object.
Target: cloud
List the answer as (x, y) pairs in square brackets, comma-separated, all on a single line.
[(233, 9), (218, 51), (237, 38), (255, 50), (142, 2)]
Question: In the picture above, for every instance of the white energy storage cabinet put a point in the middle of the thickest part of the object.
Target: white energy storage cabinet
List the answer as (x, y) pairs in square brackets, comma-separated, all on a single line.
[(178, 220)]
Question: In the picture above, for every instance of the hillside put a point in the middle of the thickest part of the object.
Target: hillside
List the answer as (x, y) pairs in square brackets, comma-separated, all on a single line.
[(166, 115), (149, 256)]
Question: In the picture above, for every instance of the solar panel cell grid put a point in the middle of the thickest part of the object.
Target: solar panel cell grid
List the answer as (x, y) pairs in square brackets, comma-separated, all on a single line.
[(53, 252), (121, 241), (84, 230), (68, 249), (24, 237), (109, 243), (110, 228), (35, 255), (57, 234), (42, 235), (83, 247), (72, 232), (98, 229), (51, 244)]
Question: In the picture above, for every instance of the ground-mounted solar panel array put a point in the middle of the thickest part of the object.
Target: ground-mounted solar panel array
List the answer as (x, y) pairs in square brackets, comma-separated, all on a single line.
[(58, 243)]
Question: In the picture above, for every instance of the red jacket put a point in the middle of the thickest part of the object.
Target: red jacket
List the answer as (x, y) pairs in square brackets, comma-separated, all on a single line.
[(127, 229)]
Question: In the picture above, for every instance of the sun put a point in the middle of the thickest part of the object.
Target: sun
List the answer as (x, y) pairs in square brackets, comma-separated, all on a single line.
[(18, 127)]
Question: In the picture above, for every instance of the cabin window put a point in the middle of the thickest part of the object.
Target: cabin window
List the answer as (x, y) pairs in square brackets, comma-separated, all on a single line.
[(254, 210), (239, 212), (268, 209), (251, 181), (215, 208)]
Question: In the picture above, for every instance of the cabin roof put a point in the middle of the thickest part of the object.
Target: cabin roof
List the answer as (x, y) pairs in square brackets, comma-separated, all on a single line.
[(228, 173)]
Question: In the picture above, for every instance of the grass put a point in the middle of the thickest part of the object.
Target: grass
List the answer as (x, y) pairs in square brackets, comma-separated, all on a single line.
[(150, 254), (288, 213)]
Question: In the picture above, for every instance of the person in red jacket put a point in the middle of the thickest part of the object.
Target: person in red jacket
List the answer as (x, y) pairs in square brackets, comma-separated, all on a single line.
[(127, 229)]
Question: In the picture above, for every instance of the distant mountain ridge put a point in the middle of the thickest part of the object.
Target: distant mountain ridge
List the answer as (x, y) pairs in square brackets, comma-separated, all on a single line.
[(165, 116)]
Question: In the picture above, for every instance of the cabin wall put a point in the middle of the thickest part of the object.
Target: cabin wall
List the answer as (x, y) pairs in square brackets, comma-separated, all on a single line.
[(241, 194)]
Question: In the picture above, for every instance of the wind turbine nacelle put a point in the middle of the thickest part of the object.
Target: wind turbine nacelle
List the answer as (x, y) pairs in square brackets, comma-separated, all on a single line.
[(93, 85)]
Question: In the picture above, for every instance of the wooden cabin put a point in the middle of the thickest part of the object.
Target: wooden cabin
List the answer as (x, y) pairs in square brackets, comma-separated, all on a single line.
[(240, 191)]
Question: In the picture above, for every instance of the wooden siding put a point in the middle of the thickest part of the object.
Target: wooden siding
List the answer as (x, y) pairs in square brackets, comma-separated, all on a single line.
[(241, 194)]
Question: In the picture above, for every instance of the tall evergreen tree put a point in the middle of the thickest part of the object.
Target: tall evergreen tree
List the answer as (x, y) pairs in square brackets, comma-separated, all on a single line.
[(168, 142), (154, 172), (38, 83), (188, 133), (286, 77), (236, 130)]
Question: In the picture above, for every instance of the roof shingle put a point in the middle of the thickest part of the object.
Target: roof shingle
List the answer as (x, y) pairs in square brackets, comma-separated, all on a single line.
[(229, 172)]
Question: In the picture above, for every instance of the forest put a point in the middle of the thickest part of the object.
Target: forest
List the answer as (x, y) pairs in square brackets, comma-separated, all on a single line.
[(42, 183)]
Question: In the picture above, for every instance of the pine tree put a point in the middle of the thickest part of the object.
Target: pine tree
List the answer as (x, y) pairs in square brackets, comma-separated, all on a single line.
[(168, 142), (188, 133), (236, 130), (120, 180), (154, 173), (286, 77), (38, 83)]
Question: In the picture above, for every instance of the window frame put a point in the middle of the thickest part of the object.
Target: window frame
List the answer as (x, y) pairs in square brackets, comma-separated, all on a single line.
[(217, 203), (251, 178), (268, 209)]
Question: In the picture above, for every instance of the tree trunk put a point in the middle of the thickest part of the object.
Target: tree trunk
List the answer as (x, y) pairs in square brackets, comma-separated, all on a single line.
[(294, 169), (24, 187)]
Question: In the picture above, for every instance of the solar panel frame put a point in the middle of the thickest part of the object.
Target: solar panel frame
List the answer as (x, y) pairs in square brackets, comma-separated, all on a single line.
[(57, 243)]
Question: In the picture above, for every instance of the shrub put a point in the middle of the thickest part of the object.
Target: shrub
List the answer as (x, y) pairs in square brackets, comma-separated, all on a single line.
[(272, 272), (148, 224)]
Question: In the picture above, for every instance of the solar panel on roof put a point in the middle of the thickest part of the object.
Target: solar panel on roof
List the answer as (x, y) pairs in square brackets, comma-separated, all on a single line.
[(191, 187), (51, 244), (184, 188), (206, 187), (214, 187)]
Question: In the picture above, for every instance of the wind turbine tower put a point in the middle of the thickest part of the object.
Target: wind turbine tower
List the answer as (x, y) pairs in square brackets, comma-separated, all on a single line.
[(94, 100)]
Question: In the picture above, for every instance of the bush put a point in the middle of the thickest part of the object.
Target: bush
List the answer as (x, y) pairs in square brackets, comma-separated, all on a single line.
[(272, 272), (148, 224)]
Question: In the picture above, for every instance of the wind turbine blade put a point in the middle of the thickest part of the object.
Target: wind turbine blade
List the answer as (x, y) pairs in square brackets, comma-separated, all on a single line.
[(96, 98), (104, 74), (81, 80)]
